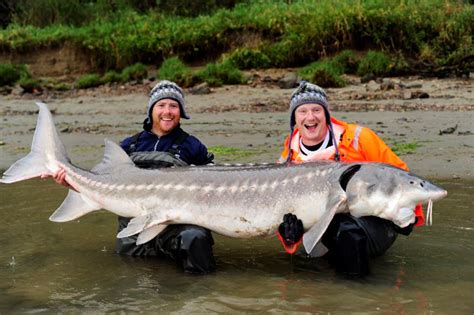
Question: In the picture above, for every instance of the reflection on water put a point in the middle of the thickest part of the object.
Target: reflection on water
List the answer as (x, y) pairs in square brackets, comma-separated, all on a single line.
[(70, 267)]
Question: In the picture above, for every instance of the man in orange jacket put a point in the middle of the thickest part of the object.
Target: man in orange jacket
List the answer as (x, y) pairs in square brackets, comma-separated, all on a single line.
[(315, 135)]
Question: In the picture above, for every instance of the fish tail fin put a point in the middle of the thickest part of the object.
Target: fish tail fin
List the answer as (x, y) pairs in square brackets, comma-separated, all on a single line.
[(46, 150)]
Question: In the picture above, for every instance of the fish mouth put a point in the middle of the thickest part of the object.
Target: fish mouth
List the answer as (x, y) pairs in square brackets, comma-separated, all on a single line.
[(440, 195), (406, 217), (435, 193)]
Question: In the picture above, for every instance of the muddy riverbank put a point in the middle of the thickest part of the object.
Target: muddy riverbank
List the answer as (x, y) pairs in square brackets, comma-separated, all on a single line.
[(430, 121)]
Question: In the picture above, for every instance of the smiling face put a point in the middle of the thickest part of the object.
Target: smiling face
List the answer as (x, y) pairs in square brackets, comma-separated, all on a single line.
[(166, 116), (311, 121)]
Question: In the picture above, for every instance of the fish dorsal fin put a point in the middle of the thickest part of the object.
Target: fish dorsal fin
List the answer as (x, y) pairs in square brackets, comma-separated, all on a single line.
[(74, 206), (114, 157), (313, 235)]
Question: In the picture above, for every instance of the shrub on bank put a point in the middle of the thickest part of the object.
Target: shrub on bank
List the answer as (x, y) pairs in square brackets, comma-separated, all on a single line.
[(348, 60), (325, 73), (217, 74), (375, 63), (88, 81), (175, 70), (10, 74), (245, 58), (29, 85), (61, 86), (136, 71), (328, 72), (112, 76), (289, 33), (400, 65)]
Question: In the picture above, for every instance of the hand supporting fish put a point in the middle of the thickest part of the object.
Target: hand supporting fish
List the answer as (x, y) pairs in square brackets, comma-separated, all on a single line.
[(290, 232)]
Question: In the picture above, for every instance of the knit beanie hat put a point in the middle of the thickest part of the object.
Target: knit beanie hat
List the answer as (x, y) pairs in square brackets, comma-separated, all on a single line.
[(308, 93), (163, 90)]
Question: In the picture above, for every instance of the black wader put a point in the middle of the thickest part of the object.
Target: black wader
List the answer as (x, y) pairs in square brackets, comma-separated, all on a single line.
[(351, 241), (188, 245)]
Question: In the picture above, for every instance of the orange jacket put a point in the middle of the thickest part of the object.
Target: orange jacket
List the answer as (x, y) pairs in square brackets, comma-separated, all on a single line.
[(355, 143)]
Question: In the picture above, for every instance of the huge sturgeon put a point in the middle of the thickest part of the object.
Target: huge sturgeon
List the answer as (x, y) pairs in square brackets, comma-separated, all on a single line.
[(238, 202)]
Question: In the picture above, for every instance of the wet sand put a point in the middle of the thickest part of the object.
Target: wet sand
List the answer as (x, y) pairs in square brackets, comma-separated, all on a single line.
[(254, 121)]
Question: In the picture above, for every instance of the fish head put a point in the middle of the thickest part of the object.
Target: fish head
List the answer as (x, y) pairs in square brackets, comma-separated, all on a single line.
[(389, 193)]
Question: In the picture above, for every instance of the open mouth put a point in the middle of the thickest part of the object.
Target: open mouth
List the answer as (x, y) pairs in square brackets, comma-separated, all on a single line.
[(311, 127)]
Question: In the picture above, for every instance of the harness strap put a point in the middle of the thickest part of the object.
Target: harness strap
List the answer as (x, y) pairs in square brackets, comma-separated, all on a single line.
[(174, 150), (178, 141), (133, 145)]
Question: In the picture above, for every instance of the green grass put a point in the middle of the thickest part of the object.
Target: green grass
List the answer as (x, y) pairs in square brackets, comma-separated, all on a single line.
[(112, 76), (245, 58), (29, 85), (175, 70), (88, 81), (405, 148), (11, 74), (225, 154), (288, 33), (136, 71), (325, 73), (61, 86), (375, 63), (217, 74), (347, 60)]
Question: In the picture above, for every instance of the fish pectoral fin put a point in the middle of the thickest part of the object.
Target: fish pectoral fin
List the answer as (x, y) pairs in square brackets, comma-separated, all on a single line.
[(319, 250), (314, 234), (74, 206), (150, 233), (140, 224)]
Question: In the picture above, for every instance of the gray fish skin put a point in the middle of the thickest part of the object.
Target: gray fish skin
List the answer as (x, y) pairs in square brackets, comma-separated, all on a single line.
[(243, 202)]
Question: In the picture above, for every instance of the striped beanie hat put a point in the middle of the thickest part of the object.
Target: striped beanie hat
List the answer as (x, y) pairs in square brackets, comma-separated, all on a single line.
[(307, 93), (164, 90)]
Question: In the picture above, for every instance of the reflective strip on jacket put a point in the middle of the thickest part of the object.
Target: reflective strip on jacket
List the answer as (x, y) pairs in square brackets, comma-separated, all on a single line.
[(355, 144)]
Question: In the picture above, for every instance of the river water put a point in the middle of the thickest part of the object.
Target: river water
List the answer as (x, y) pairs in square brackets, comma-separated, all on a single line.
[(48, 267)]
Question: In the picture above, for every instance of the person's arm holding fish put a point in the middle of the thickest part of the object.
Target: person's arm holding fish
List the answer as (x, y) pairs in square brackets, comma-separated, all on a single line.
[(314, 136)]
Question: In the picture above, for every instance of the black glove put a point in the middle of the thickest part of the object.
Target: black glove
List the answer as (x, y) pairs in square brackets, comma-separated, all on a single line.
[(291, 229), (406, 230)]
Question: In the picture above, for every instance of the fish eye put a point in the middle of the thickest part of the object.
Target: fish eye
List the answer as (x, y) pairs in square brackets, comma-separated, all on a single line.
[(412, 182), (422, 184)]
